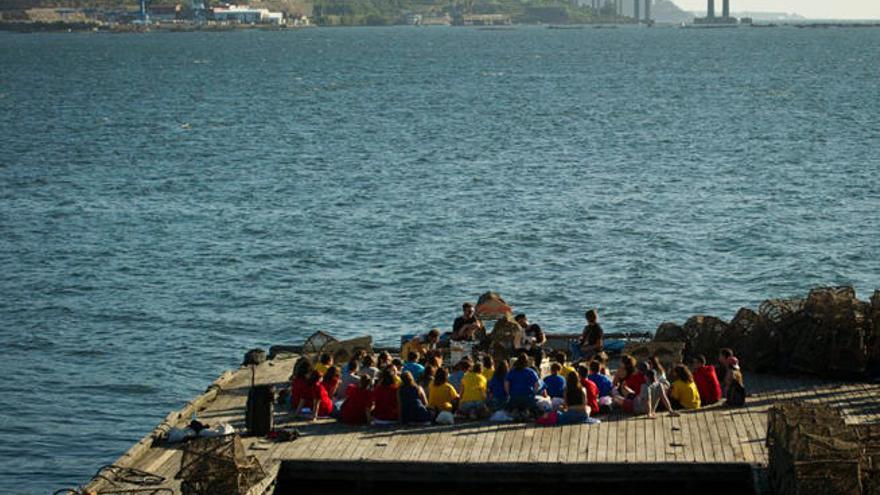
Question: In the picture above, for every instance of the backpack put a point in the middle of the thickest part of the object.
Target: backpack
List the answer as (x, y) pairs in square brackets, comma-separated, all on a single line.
[(736, 395)]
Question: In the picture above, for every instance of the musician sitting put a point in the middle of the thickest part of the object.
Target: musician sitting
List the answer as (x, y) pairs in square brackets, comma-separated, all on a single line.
[(468, 326)]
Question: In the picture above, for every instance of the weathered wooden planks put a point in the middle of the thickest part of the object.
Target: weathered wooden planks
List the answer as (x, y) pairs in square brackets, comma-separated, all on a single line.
[(712, 436)]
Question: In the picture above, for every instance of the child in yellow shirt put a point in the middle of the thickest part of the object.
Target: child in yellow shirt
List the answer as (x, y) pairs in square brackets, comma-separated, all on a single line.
[(441, 394), (473, 393), (488, 367), (684, 391), (324, 363)]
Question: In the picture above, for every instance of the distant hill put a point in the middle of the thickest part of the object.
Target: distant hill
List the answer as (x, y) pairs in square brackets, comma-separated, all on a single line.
[(667, 12), (770, 16), (364, 12)]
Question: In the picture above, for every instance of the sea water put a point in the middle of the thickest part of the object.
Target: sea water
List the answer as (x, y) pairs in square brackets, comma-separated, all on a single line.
[(168, 201)]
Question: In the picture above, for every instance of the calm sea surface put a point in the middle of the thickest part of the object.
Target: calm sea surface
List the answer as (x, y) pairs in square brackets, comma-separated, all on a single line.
[(169, 200)]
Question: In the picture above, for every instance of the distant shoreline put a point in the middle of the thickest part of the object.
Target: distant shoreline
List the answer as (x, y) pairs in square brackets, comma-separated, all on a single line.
[(84, 27)]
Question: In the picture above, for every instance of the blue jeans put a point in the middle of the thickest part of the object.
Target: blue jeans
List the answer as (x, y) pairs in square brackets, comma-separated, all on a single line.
[(571, 417), (523, 403)]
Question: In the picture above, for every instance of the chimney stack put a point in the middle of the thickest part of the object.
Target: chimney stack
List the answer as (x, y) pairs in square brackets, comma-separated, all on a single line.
[(648, 10), (725, 9), (710, 10), (636, 14)]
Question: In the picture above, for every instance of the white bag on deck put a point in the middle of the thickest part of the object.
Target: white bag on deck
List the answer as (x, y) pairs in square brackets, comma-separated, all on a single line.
[(501, 416), (445, 418)]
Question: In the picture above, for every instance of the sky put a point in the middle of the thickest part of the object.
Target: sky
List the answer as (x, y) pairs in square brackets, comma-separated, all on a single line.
[(813, 9)]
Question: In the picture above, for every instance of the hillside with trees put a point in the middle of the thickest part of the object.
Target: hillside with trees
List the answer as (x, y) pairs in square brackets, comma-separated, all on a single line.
[(364, 12)]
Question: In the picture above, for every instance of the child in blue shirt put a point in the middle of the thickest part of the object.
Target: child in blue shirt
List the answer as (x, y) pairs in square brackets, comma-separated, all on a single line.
[(603, 383), (412, 365), (455, 377), (496, 395), (554, 384)]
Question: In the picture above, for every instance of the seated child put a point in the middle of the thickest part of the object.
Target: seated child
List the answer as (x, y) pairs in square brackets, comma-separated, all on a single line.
[(441, 395), (496, 391), (575, 405), (368, 367), (413, 403), (350, 377), (562, 358), (735, 386), (554, 384), (522, 383), (358, 403), (725, 364), (461, 368), (324, 362), (331, 381), (651, 395), (385, 397), (591, 389), (684, 393), (412, 365), (488, 367), (706, 381), (314, 397), (603, 383), (473, 393)]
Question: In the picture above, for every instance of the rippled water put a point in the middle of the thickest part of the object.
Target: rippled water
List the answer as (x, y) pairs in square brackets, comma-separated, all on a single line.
[(169, 200)]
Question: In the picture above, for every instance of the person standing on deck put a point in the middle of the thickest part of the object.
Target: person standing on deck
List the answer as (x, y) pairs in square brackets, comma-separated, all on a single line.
[(530, 340), (468, 326), (591, 340)]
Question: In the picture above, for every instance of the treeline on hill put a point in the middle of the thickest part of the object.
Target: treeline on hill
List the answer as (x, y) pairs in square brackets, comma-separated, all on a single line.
[(23, 5), (364, 12), (385, 12)]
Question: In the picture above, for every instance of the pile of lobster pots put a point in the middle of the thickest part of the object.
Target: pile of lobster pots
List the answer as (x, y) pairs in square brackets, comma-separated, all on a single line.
[(813, 451), (830, 332)]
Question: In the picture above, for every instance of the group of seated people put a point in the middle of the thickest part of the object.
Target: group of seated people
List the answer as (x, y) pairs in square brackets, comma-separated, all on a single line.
[(421, 390), (528, 339)]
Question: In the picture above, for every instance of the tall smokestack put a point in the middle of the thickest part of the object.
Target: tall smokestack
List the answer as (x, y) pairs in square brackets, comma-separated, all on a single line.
[(710, 10), (648, 10), (636, 14), (725, 9)]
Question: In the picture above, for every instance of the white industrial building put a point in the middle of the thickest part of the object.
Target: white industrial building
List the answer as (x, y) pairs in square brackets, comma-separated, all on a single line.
[(243, 14)]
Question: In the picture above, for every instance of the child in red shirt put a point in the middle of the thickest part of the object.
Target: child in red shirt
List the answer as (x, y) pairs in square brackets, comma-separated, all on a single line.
[(358, 403), (706, 381), (385, 396)]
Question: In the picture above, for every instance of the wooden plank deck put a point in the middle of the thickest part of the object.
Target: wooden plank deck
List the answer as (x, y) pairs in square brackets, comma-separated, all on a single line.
[(714, 436)]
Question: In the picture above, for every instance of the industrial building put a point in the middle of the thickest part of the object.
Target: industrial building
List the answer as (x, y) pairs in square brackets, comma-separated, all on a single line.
[(639, 10), (243, 14), (713, 18)]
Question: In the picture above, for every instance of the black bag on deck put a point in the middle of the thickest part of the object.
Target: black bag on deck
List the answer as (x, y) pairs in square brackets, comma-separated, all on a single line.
[(260, 412), (736, 395)]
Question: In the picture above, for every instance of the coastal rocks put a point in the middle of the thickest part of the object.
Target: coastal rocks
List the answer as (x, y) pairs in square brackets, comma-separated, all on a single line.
[(873, 340), (492, 306), (501, 337), (669, 332)]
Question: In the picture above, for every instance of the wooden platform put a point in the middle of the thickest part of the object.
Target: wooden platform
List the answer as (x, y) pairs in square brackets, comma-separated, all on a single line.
[(698, 443)]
